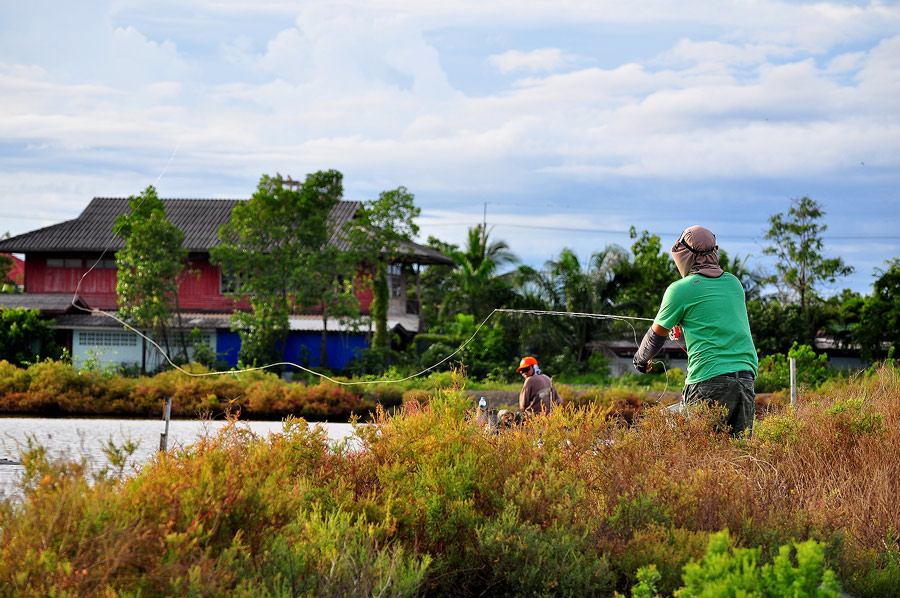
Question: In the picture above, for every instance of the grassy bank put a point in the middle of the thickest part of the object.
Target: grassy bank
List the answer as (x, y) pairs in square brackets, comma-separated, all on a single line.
[(56, 389), (568, 505)]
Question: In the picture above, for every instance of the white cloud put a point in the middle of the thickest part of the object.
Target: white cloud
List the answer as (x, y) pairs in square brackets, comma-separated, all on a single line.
[(141, 60), (846, 63), (764, 90), (543, 59)]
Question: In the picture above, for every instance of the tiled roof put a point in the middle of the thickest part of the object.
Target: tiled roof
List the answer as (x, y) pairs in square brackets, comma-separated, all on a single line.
[(199, 219)]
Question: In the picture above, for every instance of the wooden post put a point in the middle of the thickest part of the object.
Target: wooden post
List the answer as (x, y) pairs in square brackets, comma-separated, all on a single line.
[(793, 382), (167, 413)]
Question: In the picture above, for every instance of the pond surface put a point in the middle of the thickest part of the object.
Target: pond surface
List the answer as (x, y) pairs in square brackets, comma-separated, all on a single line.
[(72, 438)]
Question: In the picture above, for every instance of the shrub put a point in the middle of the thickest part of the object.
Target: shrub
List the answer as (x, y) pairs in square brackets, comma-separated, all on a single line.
[(668, 549), (775, 372), (563, 504), (522, 559), (25, 337), (726, 571)]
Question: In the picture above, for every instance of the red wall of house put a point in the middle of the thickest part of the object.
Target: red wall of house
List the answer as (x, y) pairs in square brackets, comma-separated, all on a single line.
[(198, 285), (97, 285)]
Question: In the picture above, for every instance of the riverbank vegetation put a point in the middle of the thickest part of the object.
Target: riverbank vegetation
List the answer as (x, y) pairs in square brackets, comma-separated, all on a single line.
[(426, 504), (56, 388)]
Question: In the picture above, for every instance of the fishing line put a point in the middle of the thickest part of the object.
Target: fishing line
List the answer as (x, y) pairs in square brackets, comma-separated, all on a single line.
[(381, 381), (115, 235), (168, 359)]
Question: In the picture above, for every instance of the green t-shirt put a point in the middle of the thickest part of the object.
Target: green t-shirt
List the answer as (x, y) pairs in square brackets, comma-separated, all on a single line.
[(713, 315)]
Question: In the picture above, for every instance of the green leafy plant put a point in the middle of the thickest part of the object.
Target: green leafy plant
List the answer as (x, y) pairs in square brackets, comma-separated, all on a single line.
[(797, 571)]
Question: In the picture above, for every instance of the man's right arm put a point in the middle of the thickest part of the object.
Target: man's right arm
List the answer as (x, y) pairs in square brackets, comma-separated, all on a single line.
[(651, 345)]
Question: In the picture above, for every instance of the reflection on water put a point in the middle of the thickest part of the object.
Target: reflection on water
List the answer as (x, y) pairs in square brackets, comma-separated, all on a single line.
[(73, 438)]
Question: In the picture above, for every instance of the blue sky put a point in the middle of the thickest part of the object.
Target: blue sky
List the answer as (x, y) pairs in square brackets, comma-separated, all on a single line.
[(566, 122)]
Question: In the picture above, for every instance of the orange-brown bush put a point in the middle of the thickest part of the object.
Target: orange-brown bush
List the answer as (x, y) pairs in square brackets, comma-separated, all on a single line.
[(565, 504), (56, 388)]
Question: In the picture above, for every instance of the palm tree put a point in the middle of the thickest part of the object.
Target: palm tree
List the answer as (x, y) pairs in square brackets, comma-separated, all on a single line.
[(478, 286), (568, 286)]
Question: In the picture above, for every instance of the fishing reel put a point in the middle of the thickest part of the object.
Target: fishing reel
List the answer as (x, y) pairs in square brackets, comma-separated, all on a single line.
[(674, 333)]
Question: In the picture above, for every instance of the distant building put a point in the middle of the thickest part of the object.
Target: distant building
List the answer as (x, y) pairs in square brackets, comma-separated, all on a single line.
[(16, 273), (70, 272)]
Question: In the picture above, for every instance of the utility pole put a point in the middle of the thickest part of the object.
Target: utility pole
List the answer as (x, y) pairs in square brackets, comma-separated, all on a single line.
[(484, 228)]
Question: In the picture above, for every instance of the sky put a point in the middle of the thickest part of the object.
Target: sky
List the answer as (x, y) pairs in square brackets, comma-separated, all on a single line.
[(559, 123)]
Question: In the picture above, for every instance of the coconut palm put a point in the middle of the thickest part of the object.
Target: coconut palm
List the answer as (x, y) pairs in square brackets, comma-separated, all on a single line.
[(591, 289), (479, 286)]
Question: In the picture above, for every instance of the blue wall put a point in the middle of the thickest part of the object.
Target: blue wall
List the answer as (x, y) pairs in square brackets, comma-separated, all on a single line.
[(341, 348), (228, 344)]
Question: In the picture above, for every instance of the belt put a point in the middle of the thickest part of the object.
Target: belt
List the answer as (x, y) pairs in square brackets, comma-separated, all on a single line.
[(745, 374)]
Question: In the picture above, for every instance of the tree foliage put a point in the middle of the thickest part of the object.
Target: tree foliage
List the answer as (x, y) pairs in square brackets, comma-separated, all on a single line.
[(25, 337), (797, 244), (7, 284), (275, 249), (593, 288), (878, 332), (149, 266), (479, 285), (645, 279), (382, 233)]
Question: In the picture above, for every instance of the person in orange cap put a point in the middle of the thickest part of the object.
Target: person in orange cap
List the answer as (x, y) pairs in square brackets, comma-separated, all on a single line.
[(538, 394)]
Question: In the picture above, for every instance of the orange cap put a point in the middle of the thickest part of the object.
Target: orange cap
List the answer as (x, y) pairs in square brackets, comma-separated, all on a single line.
[(526, 362)]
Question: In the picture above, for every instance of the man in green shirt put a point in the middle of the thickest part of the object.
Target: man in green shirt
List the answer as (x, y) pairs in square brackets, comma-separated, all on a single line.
[(708, 304)]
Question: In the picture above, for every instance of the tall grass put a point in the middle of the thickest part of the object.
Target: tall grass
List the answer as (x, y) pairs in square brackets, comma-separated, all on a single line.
[(572, 504)]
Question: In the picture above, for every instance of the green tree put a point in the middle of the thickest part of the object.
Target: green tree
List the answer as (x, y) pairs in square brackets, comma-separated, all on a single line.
[(592, 289), (25, 337), (384, 229), (645, 279), (878, 332), (479, 287), (437, 282), (775, 325), (838, 316), (797, 246), (275, 249), (7, 284), (149, 267)]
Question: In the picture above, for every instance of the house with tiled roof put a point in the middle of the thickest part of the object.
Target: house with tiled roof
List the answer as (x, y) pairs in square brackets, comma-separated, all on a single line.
[(70, 275)]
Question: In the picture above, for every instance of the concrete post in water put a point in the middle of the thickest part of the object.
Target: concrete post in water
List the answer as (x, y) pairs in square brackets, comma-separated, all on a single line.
[(793, 382), (167, 413)]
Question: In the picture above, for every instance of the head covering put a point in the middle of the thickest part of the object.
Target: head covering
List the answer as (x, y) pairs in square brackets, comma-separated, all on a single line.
[(696, 252), (526, 362)]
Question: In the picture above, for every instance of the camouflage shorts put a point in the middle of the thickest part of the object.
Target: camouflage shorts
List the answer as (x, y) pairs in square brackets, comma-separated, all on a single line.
[(737, 395)]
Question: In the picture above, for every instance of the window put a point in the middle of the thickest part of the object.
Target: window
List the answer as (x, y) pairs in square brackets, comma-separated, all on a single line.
[(229, 283), (68, 262), (107, 339), (395, 280)]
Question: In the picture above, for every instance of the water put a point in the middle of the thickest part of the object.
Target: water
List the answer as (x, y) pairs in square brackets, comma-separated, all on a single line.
[(72, 438)]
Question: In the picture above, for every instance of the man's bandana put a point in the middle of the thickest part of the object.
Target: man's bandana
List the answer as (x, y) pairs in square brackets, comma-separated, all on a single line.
[(696, 252)]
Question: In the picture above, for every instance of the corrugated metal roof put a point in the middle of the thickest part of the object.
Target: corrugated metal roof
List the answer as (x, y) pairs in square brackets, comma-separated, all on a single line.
[(51, 303), (301, 323), (198, 219)]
